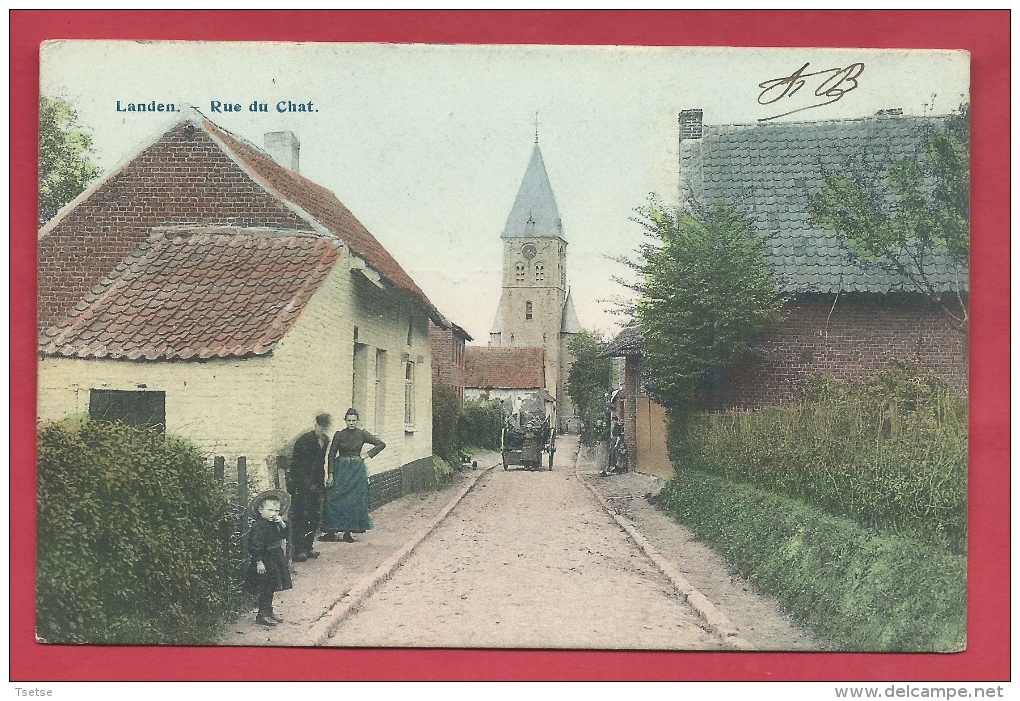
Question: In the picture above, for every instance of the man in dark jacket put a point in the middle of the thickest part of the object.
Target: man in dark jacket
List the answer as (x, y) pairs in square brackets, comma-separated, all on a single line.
[(306, 484)]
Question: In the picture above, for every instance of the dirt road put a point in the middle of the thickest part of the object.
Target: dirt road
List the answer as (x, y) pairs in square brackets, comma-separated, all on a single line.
[(528, 560)]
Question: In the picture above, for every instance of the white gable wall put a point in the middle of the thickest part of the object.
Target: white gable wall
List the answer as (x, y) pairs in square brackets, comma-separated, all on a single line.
[(314, 366)]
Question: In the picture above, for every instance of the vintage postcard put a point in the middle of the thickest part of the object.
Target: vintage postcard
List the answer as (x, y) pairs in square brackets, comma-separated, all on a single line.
[(503, 346)]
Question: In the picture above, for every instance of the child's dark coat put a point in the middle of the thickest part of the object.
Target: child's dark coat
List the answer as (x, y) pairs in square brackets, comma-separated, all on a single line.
[(266, 543)]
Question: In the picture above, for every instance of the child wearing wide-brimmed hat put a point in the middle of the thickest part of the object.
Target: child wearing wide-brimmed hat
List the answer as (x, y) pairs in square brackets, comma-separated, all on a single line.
[(268, 571)]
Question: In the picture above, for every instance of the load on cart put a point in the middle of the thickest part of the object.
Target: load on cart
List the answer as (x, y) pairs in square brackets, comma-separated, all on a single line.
[(529, 432)]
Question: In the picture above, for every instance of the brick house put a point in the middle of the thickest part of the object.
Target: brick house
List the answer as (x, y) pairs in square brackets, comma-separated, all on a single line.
[(204, 288), (843, 316), (513, 376), (448, 350)]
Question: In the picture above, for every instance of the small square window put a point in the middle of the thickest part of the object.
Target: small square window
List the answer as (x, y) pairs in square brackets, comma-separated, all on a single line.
[(135, 408)]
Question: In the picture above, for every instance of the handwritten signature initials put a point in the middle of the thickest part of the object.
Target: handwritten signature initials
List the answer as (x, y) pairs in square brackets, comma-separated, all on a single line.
[(835, 83)]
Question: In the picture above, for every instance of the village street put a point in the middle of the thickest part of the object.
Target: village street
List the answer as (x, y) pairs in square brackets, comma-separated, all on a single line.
[(525, 559), (528, 559), (531, 559)]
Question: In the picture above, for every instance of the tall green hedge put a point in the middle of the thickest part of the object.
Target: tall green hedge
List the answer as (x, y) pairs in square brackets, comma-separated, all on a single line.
[(134, 538), (445, 418), (891, 454), (481, 424)]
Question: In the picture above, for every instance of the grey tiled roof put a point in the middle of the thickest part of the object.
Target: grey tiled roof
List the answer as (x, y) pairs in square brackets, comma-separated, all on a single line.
[(568, 319), (769, 172), (628, 341), (534, 213)]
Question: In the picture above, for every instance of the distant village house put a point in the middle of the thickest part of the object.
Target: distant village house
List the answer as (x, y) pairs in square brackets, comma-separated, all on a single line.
[(448, 350)]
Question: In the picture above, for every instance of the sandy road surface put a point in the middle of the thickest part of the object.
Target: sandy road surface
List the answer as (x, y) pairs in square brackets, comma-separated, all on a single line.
[(528, 559)]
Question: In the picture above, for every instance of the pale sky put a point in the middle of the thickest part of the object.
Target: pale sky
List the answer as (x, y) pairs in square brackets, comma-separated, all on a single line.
[(427, 144)]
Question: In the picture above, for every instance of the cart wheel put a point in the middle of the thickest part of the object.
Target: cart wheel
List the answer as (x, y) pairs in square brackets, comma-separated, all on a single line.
[(551, 454)]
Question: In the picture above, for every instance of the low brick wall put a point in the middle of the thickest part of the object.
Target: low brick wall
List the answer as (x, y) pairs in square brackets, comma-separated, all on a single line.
[(386, 486)]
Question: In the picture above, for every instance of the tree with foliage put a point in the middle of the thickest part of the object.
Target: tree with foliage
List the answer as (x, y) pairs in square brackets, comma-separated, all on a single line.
[(65, 168), (588, 383), (707, 290), (928, 212)]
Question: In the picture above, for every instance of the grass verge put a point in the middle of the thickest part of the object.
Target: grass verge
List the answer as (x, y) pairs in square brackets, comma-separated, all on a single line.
[(860, 589)]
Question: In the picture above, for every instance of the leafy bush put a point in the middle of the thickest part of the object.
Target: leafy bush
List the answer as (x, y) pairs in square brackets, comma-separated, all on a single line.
[(445, 417), (134, 538), (856, 588), (442, 473), (481, 424), (891, 454)]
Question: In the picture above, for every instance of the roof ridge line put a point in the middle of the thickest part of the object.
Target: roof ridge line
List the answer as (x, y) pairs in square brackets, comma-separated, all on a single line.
[(255, 177), (770, 123), (233, 230), (186, 116)]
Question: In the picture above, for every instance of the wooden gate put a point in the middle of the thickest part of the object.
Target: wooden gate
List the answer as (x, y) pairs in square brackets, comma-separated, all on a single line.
[(652, 457)]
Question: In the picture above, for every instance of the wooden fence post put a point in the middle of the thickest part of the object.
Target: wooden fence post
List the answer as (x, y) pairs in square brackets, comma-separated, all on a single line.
[(218, 468), (242, 480), (281, 468)]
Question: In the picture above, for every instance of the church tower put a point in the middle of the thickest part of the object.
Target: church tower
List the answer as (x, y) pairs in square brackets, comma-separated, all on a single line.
[(536, 309)]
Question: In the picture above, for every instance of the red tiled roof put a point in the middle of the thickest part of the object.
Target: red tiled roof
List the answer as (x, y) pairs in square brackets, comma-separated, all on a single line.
[(190, 294), (504, 368), (324, 207)]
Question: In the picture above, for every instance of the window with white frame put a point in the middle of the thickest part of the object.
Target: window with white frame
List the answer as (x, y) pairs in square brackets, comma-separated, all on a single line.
[(408, 395), (380, 390), (519, 272)]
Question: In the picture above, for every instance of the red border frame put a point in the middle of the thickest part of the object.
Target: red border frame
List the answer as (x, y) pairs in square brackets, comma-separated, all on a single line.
[(984, 33)]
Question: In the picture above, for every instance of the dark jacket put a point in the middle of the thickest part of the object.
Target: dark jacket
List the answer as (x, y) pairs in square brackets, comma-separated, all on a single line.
[(306, 467), (266, 545)]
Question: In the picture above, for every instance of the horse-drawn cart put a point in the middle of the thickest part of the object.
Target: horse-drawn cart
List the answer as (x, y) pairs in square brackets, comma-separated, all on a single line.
[(525, 438)]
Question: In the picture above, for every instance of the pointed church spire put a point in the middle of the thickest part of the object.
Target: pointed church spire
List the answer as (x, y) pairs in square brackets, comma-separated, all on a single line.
[(534, 213), (568, 319)]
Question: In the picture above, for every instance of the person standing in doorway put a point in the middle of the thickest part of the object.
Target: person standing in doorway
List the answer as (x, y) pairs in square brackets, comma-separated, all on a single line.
[(347, 484), (306, 481)]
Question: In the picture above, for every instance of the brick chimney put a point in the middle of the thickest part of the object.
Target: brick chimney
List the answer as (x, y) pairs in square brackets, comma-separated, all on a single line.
[(690, 124), (285, 148)]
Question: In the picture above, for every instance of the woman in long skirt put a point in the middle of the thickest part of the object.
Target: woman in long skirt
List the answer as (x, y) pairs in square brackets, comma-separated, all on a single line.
[(347, 485)]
